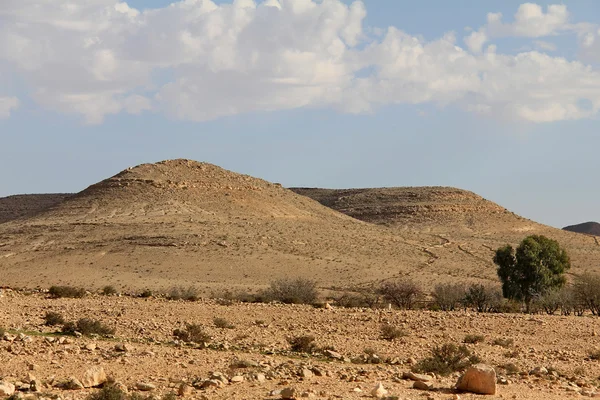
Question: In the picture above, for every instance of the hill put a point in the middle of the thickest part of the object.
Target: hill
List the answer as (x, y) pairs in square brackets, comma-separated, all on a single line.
[(460, 229), (589, 228), (185, 222), (26, 205)]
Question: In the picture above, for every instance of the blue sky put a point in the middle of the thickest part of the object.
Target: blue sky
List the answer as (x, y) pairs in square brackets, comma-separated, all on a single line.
[(309, 93)]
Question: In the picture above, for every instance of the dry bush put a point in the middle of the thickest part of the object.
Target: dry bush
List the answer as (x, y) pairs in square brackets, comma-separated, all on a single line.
[(109, 290), (391, 332), (292, 291), (53, 318), (180, 293), (223, 323), (57, 292), (2, 331), (145, 293), (446, 359), (509, 368), (473, 339), (587, 292), (111, 392), (594, 354), (483, 298), (359, 298), (193, 333), (88, 326), (401, 294), (302, 344), (449, 296), (503, 342)]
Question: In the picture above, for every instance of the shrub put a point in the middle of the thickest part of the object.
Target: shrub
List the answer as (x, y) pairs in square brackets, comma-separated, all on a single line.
[(109, 290), (359, 298), (509, 368), (181, 293), (2, 331), (449, 296), (108, 392), (390, 332), (66, 291), (53, 318), (482, 298), (223, 323), (587, 289), (402, 294), (302, 344), (446, 359), (473, 339), (292, 291), (87, 326), (503, 342), (192, 333), (594, 354)]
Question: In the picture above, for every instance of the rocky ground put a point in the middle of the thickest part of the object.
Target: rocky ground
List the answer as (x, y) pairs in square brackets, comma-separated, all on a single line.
[(535, 357)]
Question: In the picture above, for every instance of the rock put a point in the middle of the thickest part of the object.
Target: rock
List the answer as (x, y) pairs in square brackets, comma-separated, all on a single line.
[(6, 389), (71, 383), (237, 379), (288, 393), (260, 377), (219, 376), (379, 391), (306, 373), (423, 385), (90, 346), (184, 390), (416, 377), (93, 377), (479, 378), (211, 383), (333, 354), (122, 347), (145, 386), (539, 371)]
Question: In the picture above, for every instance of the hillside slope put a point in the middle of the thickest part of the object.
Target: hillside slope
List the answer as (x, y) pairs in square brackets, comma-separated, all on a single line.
[(184, 222), (589, 228), (26, 205), (467, 227)]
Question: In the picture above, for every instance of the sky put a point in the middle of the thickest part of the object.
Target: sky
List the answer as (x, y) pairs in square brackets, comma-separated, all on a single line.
[(499, 97)]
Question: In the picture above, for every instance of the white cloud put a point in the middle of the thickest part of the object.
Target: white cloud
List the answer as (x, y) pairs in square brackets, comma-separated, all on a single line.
[(197, 60), (8, 104), (545, 46)]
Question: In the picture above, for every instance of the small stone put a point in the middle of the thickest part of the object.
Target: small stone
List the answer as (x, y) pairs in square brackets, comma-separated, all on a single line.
[(423, 385), (145, 386), (333, 354), (288, 393), (211, 383), (93, 377), (237, 379), (6, 389), (184, 390), (416, 377), (306, 373), (122, 347), (539, 371), (379, 391), (90, 346), (71, 383), (260, 377)]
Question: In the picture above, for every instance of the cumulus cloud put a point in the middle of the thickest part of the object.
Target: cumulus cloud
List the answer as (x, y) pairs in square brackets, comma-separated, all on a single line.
[(7, 104), (198, 60)]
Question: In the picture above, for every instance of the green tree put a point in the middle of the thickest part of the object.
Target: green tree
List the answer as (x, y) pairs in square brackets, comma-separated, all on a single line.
[(537, 266)]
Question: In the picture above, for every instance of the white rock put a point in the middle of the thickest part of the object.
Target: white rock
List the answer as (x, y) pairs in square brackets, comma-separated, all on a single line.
[(93, 377), (379, 391), (6, 389)]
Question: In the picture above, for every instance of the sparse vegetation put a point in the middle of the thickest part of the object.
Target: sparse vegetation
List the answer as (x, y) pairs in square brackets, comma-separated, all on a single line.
[(2, 331), (112, 392), (473, 339), (223, 323), (292, 291), (145, 293), (509, 368), (302, 344), (53, 318), (57, 292), (594, 354), (401, 294), (180, 293), (87, 326), (449, 296), (446, 359), (109, 290), (193, 333), (503, 342), (391, 332), (482, 298)]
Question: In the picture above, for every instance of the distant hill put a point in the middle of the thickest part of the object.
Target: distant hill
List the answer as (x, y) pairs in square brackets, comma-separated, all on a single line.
[(590, 228), (26, 205)]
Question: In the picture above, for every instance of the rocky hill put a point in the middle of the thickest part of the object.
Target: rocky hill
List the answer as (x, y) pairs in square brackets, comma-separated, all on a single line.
[(26, 205), (589, 228), (185, 222)]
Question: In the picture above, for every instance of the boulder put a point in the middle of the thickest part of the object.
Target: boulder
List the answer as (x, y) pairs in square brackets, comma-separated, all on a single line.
[(379, 391), (93, 377), (479, 378), (6, 389)]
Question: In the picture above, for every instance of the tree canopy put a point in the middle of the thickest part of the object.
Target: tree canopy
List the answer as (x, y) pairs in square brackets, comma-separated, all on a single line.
[(537, 266)]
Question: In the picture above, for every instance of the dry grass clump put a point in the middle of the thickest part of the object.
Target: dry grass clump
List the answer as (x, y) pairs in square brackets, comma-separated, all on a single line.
[(180, 293), (109, 290), (53, 318), (302, 344), (292, 291), (57, 292), (88, 327), (223, 323), (473, 339), (446, 359), (391, 332), (193, 333), (503, 342)]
